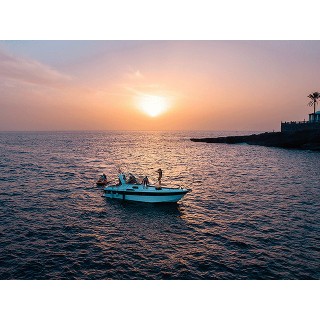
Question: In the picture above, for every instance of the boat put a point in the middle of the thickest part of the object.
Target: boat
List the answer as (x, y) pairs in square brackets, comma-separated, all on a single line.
[(130, 190)]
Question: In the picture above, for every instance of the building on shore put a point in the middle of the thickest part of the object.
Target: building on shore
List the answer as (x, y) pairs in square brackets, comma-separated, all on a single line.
[(312, 124), (314, 117)]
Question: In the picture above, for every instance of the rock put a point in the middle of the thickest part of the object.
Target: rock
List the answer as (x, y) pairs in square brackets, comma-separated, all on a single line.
[(304, 140)]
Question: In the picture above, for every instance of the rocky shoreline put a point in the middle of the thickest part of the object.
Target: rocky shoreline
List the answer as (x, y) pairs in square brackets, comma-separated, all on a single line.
[(303, 140)]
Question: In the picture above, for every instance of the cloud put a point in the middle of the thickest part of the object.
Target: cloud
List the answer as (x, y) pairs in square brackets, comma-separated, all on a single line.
[(135, 75), (29, 71)]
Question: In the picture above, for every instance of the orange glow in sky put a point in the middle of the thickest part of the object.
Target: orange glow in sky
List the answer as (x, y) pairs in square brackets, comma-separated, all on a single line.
[(156, 85)]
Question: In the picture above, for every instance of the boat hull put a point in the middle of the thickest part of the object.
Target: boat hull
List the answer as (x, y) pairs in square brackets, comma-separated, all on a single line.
[(146, 195), (148, 198)]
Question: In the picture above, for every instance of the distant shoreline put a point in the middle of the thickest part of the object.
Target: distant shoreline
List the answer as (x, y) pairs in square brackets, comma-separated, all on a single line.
[(302, 140)]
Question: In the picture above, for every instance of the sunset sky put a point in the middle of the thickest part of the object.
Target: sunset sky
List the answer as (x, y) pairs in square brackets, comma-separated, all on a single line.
[(156, 85)]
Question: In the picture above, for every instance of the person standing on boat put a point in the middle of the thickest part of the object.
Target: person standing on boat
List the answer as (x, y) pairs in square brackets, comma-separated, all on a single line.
[(160, 176), (145, 182)]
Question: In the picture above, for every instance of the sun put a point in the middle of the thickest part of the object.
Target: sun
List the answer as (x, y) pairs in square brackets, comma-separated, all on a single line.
[(153, 105)]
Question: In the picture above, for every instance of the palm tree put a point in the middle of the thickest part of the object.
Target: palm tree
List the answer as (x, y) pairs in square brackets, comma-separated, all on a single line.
[(314, 97)]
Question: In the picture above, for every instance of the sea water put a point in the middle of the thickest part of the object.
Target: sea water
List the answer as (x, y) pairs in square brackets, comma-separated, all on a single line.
[(253, 213)]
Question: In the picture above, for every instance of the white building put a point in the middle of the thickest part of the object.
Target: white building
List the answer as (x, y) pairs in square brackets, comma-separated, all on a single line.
[(314, 117)]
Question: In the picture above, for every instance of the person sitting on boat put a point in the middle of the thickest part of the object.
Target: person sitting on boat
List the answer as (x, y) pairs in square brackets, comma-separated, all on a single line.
[(102, 180), (160, 176), (132, 179), (145, 182)]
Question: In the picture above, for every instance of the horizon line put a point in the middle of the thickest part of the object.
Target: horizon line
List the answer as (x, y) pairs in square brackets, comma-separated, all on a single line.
[(126, 130)]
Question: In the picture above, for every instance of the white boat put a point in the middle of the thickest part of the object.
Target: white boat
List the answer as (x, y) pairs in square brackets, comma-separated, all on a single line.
[(126, 190)]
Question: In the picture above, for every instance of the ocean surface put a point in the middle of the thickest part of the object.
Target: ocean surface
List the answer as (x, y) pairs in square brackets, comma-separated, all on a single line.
[(253, 213)]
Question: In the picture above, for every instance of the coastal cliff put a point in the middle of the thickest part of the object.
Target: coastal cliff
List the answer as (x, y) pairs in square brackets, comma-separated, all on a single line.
[(304, 140)]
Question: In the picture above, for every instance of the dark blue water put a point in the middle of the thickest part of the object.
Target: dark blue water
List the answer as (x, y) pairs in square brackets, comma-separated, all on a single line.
[(254, 212)]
